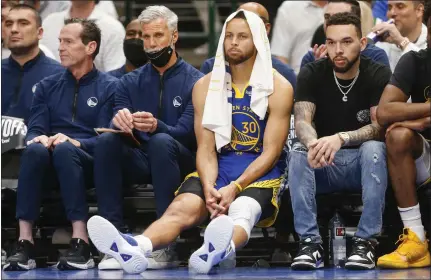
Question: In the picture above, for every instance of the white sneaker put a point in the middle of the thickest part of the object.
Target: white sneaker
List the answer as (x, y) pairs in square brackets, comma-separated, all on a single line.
[(123, 248), (109, 263), (164, 258), (217, 238)]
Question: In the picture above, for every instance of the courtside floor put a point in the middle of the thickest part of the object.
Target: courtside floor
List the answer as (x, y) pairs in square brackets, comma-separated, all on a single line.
[(238, 273)]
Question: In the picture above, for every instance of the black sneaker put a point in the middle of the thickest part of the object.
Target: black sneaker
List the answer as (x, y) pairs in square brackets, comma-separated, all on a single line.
[(22, 257), (362, 255), (310, 256), (77, 257)]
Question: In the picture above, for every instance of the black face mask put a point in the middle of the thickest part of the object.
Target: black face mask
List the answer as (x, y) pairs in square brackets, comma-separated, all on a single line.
[(160, 58), (134, 52)]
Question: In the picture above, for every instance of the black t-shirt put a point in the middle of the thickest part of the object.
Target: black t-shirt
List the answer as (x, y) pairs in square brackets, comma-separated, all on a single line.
[(316, 84), (413, 76)]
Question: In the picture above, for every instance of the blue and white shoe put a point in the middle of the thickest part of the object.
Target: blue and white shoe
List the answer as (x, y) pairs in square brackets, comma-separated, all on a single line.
[(124, 248), (216, 247)]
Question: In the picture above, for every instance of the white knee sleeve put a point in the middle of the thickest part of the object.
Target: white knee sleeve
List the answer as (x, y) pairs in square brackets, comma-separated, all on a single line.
[(245, 212)]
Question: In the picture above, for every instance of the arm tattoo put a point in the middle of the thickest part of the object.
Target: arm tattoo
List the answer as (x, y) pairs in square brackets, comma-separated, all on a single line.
[(366, 133), (304, 114)]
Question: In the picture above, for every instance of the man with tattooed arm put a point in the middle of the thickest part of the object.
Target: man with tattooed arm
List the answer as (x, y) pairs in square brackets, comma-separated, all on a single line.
[(335, 120)]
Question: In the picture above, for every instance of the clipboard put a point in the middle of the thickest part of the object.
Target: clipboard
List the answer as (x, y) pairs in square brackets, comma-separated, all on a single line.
[(128, 137)]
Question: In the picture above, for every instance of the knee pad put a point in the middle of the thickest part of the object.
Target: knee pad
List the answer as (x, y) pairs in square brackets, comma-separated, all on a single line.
[(245, 212)]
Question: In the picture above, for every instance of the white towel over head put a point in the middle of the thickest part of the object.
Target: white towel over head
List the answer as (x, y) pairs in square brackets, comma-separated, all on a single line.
[(217, 115)]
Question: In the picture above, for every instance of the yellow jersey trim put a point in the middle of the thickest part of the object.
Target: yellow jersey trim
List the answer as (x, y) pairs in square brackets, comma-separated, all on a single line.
[(426, 182), (238, 93)]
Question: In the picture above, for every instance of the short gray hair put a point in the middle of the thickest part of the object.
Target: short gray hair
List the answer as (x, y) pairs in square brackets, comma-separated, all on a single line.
[(152, 13)]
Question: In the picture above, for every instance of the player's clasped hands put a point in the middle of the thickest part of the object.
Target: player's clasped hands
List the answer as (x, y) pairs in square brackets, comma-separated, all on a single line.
[(212, 197), (218, 201), (321, 152)]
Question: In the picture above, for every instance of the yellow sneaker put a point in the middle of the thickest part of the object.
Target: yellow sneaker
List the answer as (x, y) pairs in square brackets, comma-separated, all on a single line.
[(412, 252)]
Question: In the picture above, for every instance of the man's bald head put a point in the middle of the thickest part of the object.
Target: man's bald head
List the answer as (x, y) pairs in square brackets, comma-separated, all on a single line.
[(259, 10)]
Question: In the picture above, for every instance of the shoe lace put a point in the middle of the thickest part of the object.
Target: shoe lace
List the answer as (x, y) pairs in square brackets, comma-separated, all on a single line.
[(307, 248), (75, 248), (19, 248), (402, 239), (360, 246)]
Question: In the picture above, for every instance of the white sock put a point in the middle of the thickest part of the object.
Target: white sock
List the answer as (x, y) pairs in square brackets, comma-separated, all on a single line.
[(145, 244), (411, 217)]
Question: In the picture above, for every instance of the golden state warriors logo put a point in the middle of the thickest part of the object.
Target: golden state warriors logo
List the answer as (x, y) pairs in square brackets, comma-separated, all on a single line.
[(245, 132), (427, 94)]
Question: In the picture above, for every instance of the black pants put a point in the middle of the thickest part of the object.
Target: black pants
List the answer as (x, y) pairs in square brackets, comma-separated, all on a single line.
[(72, 167), (162, 161)]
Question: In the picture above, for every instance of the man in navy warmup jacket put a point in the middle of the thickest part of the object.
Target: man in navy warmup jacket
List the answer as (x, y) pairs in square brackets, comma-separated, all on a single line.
[(60, 143), (26, 65)]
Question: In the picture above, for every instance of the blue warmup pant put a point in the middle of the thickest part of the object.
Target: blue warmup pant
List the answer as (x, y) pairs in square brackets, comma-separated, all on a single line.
[(67, 165), (161, 161)]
